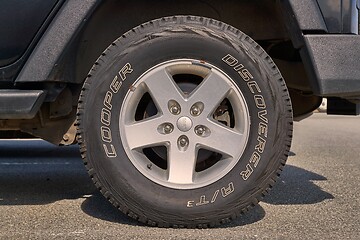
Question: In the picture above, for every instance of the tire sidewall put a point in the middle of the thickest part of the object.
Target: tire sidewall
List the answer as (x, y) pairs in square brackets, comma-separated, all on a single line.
[(126, 183)]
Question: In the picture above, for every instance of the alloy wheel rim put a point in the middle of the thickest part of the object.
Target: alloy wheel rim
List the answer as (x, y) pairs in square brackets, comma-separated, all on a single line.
[(184, 124)]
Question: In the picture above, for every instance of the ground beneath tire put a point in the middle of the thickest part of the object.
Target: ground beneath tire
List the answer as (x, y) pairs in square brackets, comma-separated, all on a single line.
[(45, 193)]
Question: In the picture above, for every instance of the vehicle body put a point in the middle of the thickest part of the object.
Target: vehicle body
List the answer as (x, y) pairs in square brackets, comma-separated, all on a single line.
[(48, 49)]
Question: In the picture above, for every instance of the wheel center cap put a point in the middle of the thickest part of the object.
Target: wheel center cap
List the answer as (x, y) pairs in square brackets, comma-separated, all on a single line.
[(184, 124)]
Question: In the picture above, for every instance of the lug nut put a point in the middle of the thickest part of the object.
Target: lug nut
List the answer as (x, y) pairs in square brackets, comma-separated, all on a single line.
[(183, 141), (202, 131), (196, 109), (199, 131), (174, 107), (175, 110), (165, 128), (168, 128)]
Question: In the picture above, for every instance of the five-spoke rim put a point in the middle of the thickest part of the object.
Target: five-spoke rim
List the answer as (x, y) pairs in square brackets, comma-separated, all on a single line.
[(184, 124)]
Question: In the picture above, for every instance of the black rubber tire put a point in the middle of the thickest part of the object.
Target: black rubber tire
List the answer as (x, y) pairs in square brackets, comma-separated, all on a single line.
[(269, 106)]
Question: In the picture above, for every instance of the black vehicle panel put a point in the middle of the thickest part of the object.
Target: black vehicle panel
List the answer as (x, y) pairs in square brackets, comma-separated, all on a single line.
[(341, 16), (19, 22)]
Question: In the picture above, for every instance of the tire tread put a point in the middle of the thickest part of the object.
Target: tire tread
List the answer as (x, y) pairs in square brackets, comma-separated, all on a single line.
[(229, 32)]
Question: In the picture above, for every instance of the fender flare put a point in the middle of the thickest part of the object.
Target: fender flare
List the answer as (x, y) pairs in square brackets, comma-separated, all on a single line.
[(64, 28)]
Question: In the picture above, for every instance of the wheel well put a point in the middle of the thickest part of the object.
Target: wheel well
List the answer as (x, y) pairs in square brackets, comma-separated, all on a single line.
[(261, 20), (258, 19)]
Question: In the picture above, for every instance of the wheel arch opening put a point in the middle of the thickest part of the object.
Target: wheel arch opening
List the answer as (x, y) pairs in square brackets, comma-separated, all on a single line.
[(261, 20)]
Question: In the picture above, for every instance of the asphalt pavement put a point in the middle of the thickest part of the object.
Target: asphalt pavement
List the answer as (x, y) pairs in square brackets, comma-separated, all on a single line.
[(45, 193)]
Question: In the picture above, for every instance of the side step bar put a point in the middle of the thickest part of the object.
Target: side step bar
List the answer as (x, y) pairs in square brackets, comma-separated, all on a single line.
[(20, 104), (339, 106)]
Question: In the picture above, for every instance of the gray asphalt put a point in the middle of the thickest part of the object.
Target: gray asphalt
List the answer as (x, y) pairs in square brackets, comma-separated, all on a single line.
[(45, 193)]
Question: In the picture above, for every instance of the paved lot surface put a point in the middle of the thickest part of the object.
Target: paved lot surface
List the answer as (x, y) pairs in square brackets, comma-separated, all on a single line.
[(45, 193)]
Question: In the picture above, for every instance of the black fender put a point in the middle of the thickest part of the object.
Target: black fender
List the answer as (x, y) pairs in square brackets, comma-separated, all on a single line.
[(330, 58), (307, 22), (64, 28), (301, 17)]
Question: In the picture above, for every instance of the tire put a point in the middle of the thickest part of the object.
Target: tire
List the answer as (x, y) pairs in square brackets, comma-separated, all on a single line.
[(184, 122)]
